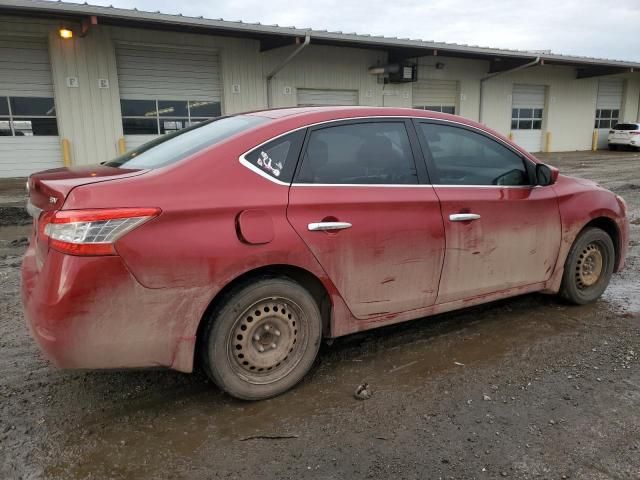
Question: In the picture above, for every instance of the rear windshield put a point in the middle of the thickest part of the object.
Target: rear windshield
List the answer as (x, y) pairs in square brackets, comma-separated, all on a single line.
[(627, 126), (174, 147)]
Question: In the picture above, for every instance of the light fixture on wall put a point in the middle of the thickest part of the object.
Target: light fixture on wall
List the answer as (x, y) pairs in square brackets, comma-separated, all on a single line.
[(65, 33)]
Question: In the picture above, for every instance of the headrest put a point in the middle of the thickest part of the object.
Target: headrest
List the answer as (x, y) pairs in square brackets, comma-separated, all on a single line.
[(376, 152)]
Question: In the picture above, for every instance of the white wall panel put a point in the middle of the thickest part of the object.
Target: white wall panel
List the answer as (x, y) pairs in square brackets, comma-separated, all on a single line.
[(325, 68), (467, 74), (88, 116), (312, 97), (163, 73), (610, 97), (570, 104), (21, 156), (25, 71), (610, 93), (239, 63), (134, 141), (435, 92), (528, 96)]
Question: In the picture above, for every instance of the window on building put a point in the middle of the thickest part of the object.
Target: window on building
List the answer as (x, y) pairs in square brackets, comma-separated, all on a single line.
[(463, 157), (606, 118), (359, 153), (526, 118), (27, 117), (154, 117), (439, 108)]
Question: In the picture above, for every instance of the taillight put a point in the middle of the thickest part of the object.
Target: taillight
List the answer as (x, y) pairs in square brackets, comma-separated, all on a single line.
[(92, 232), (634, 133), (612, 131)]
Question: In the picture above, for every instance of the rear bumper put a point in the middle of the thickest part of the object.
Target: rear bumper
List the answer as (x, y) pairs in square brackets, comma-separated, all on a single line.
[(633, 142), (90, 312)]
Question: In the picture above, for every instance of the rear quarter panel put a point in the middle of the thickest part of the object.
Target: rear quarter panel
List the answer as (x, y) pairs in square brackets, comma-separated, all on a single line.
[(194, 245)]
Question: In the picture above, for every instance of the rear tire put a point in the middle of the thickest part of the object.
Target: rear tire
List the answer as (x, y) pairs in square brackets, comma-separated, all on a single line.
[(262, 339), (613, 147), (588, 267)]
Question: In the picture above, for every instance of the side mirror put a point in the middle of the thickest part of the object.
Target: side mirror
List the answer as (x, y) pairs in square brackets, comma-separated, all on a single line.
[(546, 174)]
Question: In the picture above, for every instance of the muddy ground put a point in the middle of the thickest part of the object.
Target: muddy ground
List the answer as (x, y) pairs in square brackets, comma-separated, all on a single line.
[(523, 388)]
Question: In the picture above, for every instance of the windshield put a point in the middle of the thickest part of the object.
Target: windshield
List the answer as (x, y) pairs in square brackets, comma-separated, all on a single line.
[(176, 146)]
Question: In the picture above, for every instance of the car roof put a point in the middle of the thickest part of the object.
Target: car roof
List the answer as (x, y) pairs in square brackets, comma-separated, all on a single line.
[(305, 116), (347, 111)]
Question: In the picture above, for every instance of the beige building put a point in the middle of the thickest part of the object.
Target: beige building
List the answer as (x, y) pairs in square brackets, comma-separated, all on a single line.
[(126, 76)]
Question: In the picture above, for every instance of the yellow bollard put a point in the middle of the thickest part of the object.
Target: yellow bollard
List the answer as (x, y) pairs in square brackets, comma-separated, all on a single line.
[(511, 136), (547, 143), (66, 152), (122, 146), (594, 141)]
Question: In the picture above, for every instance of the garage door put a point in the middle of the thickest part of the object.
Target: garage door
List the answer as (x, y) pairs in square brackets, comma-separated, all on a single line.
[(165, 89), (308, 97), (527, 112), (436, 95), (29, 139), (608, 107)]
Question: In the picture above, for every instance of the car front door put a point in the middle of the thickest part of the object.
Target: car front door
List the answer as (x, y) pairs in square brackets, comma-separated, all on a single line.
[(362, 205), (501, 230)]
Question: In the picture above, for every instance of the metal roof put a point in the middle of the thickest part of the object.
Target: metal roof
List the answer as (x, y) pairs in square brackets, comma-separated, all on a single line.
[(275, 33)]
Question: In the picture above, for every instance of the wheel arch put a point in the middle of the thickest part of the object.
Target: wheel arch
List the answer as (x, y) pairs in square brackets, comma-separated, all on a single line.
[(611, 228), (302, 276)]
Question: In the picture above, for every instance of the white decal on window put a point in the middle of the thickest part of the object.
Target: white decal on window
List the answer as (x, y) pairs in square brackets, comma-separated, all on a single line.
[(266, 163)]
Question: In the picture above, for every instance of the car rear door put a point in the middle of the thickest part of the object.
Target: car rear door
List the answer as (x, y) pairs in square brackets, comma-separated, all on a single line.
[(501, 230), (362, 205)]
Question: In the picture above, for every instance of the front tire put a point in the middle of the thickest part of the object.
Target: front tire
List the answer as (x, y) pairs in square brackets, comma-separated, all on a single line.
[(613, 147), (588, 267), (262, 339)]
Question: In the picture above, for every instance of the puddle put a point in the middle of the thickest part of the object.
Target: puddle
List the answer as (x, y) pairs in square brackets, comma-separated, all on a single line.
[(13, 232)]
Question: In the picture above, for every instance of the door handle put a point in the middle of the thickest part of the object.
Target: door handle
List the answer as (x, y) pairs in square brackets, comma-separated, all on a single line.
[(328, 226), (463, 217)]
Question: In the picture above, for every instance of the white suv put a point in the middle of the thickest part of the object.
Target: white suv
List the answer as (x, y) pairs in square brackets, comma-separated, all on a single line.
[(627, 134)]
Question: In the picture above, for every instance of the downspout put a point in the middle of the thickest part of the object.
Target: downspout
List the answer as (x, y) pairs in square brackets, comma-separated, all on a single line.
[(284, 63), (537, 61)]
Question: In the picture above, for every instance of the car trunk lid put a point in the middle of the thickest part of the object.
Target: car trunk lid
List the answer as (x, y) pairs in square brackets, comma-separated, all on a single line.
[(49, 189)]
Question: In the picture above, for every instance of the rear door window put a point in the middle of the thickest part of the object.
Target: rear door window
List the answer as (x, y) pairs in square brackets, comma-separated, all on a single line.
[(277, 158), (462, 157), (359, 153)]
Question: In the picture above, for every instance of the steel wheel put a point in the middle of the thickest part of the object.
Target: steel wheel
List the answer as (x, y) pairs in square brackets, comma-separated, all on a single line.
[(268, 340), (589, 266), (262, 337)]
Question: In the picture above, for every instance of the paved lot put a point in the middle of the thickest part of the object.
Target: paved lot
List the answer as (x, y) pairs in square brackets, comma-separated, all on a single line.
[(523, 388)]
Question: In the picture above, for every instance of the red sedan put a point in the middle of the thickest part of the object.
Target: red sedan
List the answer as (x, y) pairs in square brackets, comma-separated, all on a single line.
[(241, 242)]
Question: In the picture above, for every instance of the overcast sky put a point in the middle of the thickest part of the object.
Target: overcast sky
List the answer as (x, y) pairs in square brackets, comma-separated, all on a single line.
[(594, 28)]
